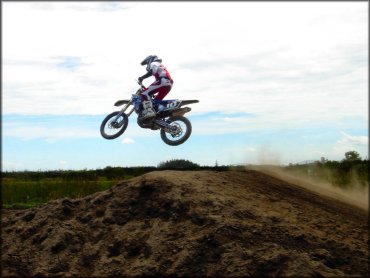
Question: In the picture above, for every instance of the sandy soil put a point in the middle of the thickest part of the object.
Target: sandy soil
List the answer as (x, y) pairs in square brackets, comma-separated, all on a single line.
[(229, 224)]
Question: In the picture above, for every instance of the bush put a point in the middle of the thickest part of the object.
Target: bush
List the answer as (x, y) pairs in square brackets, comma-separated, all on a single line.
[(178, 164)]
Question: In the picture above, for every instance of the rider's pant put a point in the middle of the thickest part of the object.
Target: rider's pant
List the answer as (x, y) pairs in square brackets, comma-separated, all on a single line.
[(160, 87)]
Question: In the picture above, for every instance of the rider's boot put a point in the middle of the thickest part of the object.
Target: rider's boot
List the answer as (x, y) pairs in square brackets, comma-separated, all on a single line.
[(148, 110)]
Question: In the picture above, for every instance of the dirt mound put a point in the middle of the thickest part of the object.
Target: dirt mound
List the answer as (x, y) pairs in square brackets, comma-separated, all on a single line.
[(189, 223)]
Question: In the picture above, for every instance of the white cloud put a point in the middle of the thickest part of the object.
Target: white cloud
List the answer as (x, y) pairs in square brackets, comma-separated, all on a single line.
[(250, 149), (55, 128), (353, 140), (12, 166), (351, 143), (50, 135), (302, 69), (128, 141)]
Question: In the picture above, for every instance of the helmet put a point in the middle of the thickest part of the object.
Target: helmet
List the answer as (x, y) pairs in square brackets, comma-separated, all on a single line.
[(150, 59)]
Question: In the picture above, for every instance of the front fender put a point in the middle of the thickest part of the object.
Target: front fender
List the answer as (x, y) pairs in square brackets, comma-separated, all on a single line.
[(121, 102)]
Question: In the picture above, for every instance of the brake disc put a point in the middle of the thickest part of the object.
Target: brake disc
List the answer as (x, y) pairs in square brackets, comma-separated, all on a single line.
[(175, 129)]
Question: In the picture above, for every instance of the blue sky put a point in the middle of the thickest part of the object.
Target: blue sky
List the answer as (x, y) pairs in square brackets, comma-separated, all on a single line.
[(277, 82)]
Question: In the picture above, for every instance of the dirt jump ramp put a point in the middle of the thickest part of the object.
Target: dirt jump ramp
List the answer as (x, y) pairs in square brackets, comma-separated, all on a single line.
[(189, 223)]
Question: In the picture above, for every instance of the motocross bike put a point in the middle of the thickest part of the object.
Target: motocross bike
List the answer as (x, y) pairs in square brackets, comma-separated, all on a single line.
[(175, 129)]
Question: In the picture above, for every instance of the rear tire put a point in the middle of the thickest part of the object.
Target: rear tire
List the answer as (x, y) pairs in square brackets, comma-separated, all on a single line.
[(182, 136), (110, 130)]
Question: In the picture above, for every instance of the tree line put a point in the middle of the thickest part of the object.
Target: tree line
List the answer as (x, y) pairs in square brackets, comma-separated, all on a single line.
[(110, 173), (339, 173), (351, 169)]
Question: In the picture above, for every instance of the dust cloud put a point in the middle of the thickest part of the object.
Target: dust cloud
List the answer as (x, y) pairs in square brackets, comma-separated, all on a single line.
[(269, 163), (357, 195), (267, 156)]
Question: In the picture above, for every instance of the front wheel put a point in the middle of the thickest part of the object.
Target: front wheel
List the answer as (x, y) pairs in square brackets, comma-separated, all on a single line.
[(181, 130), (111, 127)]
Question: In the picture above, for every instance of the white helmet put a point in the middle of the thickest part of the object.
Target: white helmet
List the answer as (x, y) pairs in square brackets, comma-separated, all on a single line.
[(150, 59)]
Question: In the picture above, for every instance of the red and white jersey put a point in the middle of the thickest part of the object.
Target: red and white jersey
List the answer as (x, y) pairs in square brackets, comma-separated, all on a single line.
[(159, 71)]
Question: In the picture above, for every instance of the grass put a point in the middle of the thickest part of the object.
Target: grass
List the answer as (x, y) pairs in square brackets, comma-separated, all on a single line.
[(25, 193)]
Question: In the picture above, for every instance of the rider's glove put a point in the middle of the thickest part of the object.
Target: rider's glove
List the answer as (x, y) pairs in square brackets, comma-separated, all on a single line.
[(140, 79)]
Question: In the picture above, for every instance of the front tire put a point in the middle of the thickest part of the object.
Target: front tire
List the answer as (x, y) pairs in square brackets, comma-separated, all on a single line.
[(184, 131), (111, 129)]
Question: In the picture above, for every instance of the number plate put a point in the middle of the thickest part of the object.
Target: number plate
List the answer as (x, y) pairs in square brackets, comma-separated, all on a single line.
[(173, 104)]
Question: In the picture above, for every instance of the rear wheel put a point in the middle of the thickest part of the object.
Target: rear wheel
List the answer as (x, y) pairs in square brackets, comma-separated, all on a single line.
[(111, 128), (180, 131)]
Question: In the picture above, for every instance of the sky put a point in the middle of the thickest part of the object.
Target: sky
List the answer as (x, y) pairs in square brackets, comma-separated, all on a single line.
[(278, 82)]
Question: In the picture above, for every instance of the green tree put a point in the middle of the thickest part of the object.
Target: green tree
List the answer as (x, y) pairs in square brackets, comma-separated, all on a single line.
[(178, 164), (352, 156)]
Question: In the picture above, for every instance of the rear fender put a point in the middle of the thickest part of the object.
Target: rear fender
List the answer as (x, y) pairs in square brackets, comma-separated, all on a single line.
[(185, 102)]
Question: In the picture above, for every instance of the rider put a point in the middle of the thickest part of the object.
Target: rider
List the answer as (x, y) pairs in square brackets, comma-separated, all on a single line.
[(161, 86)]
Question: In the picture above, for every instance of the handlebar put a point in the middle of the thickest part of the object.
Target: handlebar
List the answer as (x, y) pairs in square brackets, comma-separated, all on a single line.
[(141, 84)]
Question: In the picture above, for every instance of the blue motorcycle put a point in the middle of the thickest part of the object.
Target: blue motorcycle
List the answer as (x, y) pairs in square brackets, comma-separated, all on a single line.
[(175, 129)]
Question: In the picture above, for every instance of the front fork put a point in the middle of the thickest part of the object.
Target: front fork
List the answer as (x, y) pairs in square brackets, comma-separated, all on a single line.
[(123, 110)]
